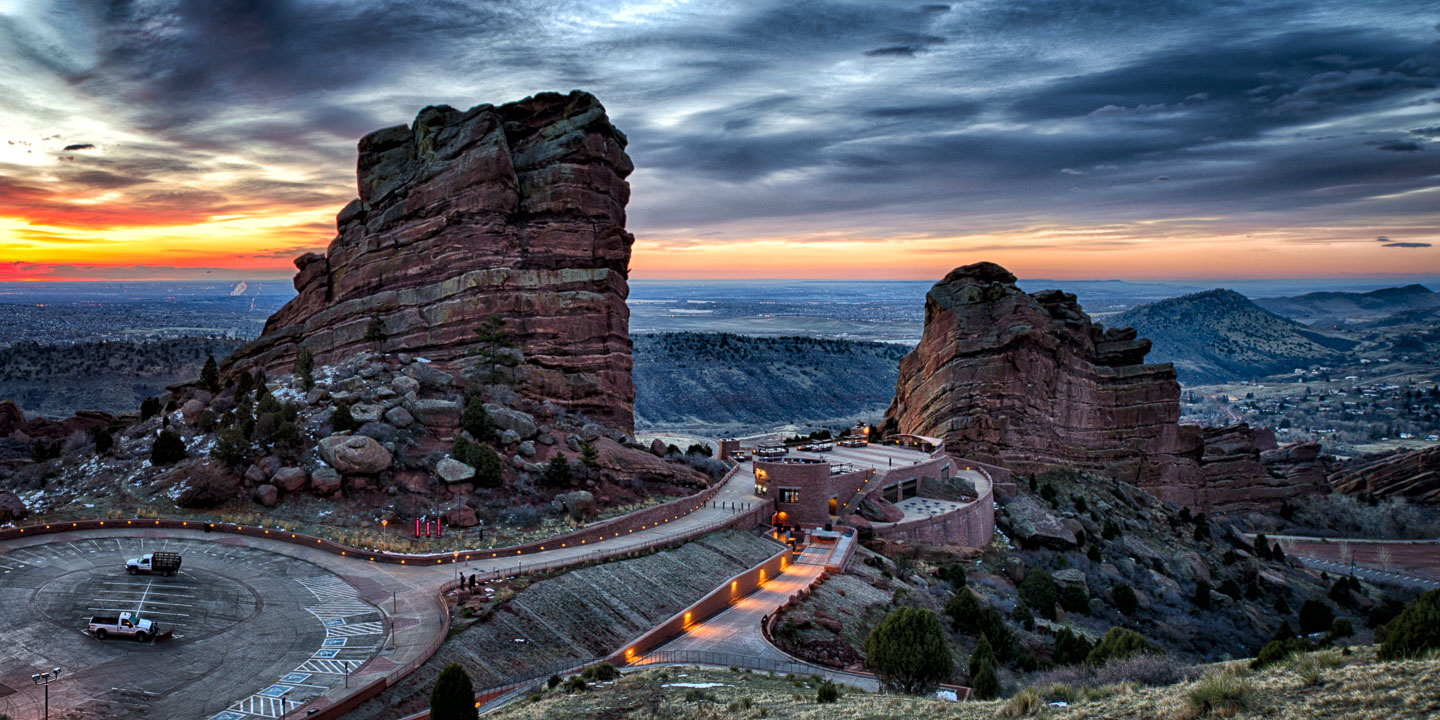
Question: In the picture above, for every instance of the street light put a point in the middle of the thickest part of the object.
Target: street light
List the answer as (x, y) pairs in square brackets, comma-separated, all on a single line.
[(44, 679)]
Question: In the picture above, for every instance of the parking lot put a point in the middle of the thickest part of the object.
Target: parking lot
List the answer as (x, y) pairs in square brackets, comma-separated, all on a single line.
[(255, 633)]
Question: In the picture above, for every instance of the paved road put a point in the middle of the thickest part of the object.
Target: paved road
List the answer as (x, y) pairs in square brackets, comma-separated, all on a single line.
[(736, 631), (262, 676), (1376, 576)]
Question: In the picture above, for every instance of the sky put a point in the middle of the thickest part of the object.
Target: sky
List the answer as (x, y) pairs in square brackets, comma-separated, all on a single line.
[(1071, 139)]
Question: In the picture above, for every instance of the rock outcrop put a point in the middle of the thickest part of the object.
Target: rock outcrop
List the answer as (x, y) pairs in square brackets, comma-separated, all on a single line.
[(1414, 475), (516, 211), (1030, 382)]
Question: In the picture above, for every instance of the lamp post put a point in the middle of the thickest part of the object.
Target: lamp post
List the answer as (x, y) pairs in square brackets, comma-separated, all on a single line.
[(44, 679)]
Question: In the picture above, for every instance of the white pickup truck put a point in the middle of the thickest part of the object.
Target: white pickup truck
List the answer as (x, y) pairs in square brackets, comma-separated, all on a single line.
[(126, 625)]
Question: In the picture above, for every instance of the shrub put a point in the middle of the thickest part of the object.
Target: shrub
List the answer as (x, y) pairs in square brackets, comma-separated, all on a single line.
[(341, 420), (907, 651), (1315, 616), (1110, 531), (982, 655), (1383, 612), (963, 610), (828, 692), (1118, 644), (1093, 552), (1202, 594), (1025, 703), (168, 448), (604, 672), (986, 683), (453, 697), (1252, 590), (992, 625), (1276, 553), (1340, 591), (954, 574), (476, 420), (1221, 692), (104, 441), (149, 407), (1278, 650), (305, 368), (1232, 588), (231, 447), (209, 376), (1038, 592), (1124, 597), (1281, 606), (1262, 547), (1341, 628), (1022, 615), (1074, 599), (557, 472), (1071, 648), (577, 684), (1414, 630)]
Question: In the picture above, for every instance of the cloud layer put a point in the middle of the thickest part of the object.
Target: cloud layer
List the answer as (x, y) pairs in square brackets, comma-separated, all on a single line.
[(842, 121)]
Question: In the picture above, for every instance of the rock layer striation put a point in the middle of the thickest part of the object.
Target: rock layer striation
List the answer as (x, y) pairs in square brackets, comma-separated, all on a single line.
[(515, 210), (1029, 381)]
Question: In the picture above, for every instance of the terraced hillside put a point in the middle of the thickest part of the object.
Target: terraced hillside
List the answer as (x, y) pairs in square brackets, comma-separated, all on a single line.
[(724, 381), (576, 616), (1220, 336)]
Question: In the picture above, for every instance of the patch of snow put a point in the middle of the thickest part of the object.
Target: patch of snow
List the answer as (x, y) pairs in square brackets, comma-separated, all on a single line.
[(422, 360), (711, 685), (946, 695)]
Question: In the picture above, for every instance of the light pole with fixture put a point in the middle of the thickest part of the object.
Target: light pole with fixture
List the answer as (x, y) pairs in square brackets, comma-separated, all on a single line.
[(44, 679)]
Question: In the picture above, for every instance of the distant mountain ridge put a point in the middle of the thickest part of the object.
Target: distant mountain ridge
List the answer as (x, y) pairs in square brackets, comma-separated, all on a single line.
[(737, 382), (1333, 308), (1220, 335)]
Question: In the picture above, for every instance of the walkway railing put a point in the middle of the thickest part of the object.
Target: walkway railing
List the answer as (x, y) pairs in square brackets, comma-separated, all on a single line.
[(727, 660)]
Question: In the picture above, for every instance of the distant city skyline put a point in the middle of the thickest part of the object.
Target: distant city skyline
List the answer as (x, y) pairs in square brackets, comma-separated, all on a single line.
[(1090, 139)]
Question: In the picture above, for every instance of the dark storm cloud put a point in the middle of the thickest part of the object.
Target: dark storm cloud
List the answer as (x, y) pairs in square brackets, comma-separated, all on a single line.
[(79, 146), (1406, 245), (1398, 145)]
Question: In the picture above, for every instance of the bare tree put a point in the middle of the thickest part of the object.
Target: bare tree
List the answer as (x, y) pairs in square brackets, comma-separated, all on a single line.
[(1383, 556)]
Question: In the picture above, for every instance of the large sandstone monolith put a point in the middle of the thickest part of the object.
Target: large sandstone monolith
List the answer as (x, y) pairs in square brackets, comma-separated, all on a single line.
[(1030, 382), (515, 210)]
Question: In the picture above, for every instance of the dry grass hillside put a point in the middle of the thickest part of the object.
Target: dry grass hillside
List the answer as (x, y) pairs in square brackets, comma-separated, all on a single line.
[(1317, 686)]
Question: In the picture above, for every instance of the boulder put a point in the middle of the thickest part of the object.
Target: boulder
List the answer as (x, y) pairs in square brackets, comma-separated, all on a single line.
[(461, 517), (254, 475), (435, 413), (366, 412), (324, 481), (429, 376), (12, 509), (453, 471), (658, 448), (1033, 526), (523, 424), (590, 432), (509, 437), (270, 464), (191, 411), (415, 481), (1072, 576), (379, 431), (267, 495), (399, 417), (354, 454), (404, 384), (876, 509), (1015, 568), (527, 448), (290, 479)]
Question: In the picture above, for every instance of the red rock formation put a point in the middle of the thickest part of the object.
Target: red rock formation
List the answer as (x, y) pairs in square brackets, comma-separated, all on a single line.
[(1029, 382), (1413, 474), (516, 211)]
